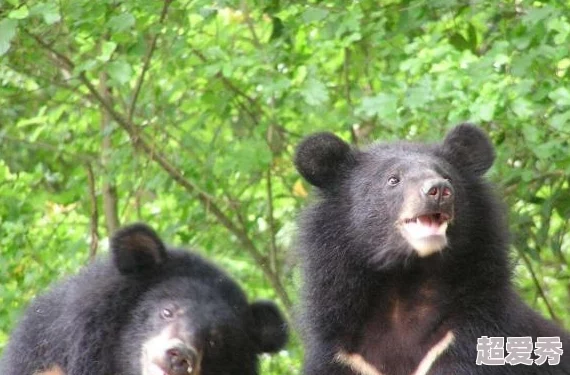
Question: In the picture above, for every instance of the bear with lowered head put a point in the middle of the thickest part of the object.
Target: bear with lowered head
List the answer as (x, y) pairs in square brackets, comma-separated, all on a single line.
[(405, 262), (146, 310)]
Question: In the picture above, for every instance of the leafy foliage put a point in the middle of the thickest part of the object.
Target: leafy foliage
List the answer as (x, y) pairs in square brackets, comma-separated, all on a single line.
[(185, 114)]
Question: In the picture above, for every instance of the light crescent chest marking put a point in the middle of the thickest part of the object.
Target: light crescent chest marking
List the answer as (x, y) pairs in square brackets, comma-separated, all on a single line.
[(359, 365)]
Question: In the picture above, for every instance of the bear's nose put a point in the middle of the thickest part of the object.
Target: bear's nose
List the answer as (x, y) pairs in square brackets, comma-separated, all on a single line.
[(437, 189), (182, 359)]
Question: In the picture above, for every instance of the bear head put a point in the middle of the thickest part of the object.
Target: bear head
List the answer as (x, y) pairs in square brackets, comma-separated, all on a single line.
[(189, 319), (397, 200)]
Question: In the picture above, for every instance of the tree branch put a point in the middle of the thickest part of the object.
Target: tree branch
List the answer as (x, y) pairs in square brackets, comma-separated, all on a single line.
[(250, 25), (226, 81), (205, 199), (110, 200), (49, 147), (146, 64), (60, 59), (94, 216), (208, 202), (510, 187), (537, 284), (272, 227)]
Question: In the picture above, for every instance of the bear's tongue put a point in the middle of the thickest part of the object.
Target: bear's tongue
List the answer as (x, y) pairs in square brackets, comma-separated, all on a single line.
[(427, 225), (428, 220)]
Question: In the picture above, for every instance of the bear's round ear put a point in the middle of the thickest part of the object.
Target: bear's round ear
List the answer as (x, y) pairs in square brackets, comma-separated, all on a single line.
[(270, 331), (469, 148), (320, 158), (137, 248)]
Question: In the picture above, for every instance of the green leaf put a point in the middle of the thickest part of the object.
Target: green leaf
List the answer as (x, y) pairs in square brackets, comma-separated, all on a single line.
[(278, 28), (417, 97), (85, 66), (314, 92), (247, 156), (49, 12), (522, 42), (521, 65), (522, 108), (459, 42), (484, 110), (531, 134), (19, 14), (560, 121), (472, 32), (208, 12), (314, 15), (107, 50), (561, 28), (7, 33), (546, 150), (120, 71), (383, 105), (536, 15), (121, 22), (211, 70), (561, 96), (562, 203)]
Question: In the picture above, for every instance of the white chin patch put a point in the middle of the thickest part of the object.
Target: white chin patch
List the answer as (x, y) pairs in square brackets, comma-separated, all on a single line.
[(426, 234), (153, 369)]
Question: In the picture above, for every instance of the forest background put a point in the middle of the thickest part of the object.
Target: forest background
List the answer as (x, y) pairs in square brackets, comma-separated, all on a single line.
[(185, 114)]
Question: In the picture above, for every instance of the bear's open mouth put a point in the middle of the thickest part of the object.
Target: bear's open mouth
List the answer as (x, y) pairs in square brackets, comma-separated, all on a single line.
[(435, 219), (169, 356), (157, 369), (426, 233)]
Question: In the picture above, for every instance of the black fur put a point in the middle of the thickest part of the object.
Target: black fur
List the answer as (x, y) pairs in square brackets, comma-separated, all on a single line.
[(94, 323), (268, 326), (366, 290), (321, 159)]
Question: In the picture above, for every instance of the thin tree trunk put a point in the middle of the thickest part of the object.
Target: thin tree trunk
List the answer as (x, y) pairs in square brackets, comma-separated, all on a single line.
[(109, 190)]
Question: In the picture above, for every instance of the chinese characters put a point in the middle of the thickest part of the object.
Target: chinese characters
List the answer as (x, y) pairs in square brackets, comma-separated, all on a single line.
[(491, 351)]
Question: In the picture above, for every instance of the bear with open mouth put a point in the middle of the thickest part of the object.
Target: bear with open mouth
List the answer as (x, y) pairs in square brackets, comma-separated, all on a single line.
[(404, 255)]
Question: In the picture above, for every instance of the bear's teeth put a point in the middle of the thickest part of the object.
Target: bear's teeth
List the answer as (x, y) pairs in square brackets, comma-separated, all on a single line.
[(425, 220), (428, 220)]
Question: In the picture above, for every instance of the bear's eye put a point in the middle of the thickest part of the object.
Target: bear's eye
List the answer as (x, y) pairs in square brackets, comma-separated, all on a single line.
[(166, 313), (393, 181)]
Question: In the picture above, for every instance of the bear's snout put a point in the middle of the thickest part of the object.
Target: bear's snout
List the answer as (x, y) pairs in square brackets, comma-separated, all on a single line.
[(182, 359), (170, 356), (438, 189)]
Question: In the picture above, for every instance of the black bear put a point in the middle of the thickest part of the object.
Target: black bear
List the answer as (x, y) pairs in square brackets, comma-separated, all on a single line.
[(405, 264), (147, 310)]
